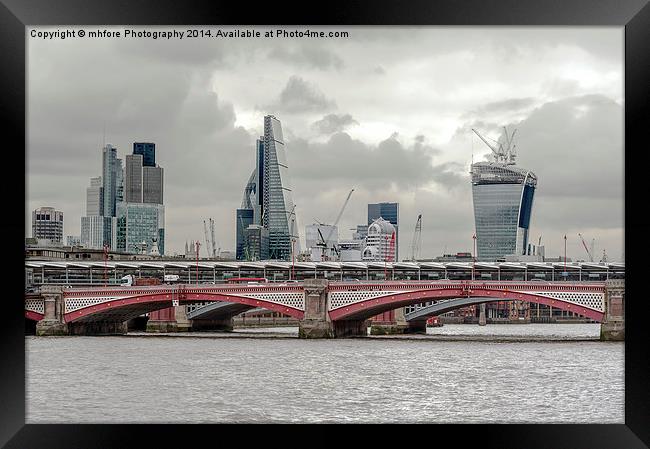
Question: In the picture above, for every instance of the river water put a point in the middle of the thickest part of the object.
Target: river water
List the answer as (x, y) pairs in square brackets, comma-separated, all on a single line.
[(268, 375)]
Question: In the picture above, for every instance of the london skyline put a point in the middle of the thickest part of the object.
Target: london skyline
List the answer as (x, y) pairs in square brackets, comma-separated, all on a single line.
[(396, 129)]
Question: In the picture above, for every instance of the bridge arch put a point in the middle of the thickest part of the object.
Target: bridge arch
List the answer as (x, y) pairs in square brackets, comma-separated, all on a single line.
[(33, 316), (126, 308), (366, 309)]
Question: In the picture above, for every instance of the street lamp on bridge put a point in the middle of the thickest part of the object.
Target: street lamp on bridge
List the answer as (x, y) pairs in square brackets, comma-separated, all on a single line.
[(474, 256)]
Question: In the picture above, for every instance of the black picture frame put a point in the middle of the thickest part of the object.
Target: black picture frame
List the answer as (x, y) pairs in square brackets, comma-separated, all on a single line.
[(634, 15)]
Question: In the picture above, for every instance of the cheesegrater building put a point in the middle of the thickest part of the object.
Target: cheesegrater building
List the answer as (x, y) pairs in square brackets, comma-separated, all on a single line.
[(268, 200), (503, 202)]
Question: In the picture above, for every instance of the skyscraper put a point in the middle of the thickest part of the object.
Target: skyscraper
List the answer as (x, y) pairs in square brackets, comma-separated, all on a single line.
[(109, 179), (133, 178), (390, 213), (141, 216), (148, 152), (47, 223), (152, 185), (503, 201), (95, 197), (268, 198), (278, 209), (97, 231)]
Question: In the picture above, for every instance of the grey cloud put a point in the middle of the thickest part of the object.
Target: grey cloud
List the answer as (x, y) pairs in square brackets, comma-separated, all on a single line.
[(507, 105), (307, 56), (301, 96), (575, 146), (332, 123), (196, 52), (379, 70), (343, 159), (499, 110)]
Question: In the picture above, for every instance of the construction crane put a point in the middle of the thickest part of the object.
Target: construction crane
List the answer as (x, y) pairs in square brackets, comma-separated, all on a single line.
[(336, 222), (591, 257), (504, 155), (214, 245), (417, 240), (207, 241)]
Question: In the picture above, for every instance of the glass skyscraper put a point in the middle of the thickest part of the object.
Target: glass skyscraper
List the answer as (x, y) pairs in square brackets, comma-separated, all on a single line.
[(244, 219), (278, 209), (109, 179), (148, 152), (141, 216), (268, 198), (503, 203)]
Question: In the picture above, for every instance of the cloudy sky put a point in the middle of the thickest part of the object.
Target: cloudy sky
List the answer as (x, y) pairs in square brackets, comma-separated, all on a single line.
[(386, 111)]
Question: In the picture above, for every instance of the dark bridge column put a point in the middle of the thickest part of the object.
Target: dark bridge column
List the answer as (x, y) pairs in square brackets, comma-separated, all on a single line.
[(98, 327), (612, 327), (316, 322), (482, 321), (163, 320), (52, 322)]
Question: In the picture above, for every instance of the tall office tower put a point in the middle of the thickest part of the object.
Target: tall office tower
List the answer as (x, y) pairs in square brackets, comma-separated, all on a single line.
[(109, 179), (141, 216), (152, 185), (277, 207), (503, 202), (148, 152), (390, 213), (119, 181), (143, 184), (47, 223), (97, 231), (258, 201), (95, 197), (133, 179), (249, 211)]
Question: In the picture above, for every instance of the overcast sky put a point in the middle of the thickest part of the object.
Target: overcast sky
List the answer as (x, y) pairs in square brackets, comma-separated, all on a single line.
[(386, 111)]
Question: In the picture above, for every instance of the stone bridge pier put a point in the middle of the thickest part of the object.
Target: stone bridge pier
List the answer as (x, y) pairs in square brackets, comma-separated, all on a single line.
[(317, 323), (54, 308), (612, 328), (53, 322)]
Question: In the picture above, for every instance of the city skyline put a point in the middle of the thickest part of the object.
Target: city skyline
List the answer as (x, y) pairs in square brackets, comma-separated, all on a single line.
[(347, 135)]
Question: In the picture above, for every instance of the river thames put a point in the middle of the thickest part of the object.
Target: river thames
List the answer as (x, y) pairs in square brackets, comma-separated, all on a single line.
[(269, 375)]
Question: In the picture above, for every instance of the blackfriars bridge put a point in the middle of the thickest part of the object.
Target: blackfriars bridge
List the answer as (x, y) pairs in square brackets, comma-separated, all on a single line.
[(324, 309)]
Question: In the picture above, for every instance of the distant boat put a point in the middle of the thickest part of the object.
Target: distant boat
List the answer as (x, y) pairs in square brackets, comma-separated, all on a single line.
[(434, 322)]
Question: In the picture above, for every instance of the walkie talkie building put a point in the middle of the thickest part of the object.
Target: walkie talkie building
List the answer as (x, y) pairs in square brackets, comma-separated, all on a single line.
[(503, 203)]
